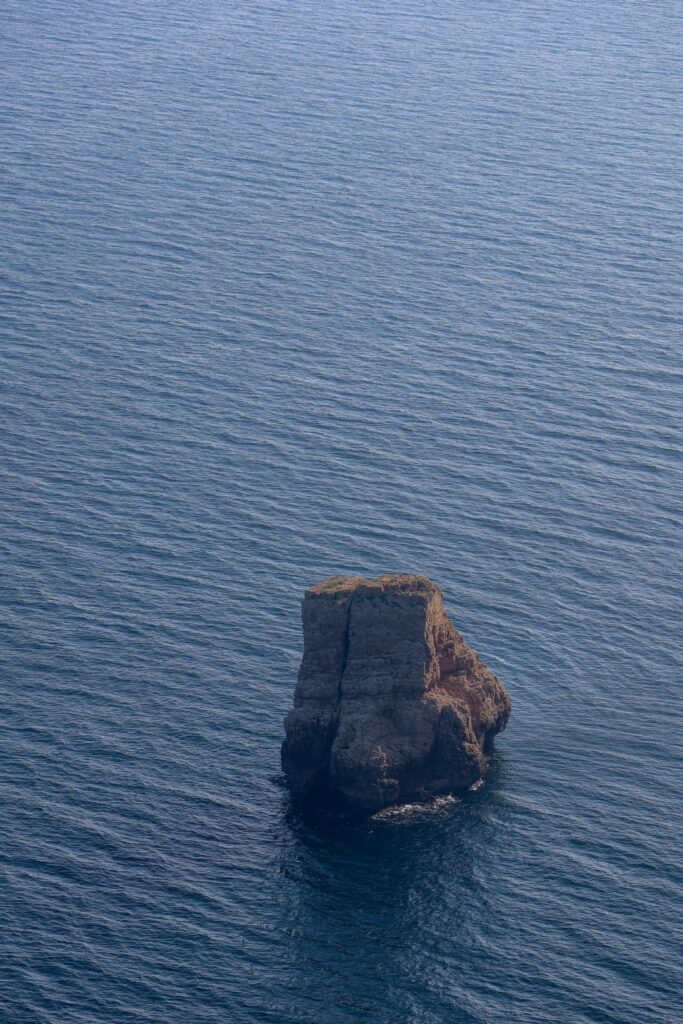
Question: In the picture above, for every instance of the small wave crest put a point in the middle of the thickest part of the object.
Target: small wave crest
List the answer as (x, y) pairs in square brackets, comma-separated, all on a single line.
[(414, 811)]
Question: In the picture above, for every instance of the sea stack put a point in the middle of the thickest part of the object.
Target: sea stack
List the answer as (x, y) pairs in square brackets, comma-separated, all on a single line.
[(391, 705)]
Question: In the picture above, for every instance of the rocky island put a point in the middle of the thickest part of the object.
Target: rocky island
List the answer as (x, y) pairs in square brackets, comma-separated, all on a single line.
[(391, 705)]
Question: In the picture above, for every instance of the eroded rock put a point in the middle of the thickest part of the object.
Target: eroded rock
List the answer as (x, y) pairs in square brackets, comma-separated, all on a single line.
[(391, 705)]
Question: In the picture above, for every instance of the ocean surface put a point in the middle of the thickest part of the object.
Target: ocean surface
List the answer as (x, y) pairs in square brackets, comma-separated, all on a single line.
[(292, 289)]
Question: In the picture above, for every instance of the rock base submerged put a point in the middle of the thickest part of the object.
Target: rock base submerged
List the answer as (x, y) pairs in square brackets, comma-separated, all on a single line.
[(391, 705)]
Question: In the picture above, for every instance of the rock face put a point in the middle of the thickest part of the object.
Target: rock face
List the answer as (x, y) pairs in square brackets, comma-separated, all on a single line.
[(391, 704)]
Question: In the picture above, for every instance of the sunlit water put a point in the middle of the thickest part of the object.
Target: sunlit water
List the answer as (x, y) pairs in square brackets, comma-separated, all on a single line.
[(293, 289)]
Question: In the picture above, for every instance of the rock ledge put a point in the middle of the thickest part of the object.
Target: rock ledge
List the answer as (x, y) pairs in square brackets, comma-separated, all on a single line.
[(391, 705)]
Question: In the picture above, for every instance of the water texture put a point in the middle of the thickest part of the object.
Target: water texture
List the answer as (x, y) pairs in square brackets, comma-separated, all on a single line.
[(294, 289)]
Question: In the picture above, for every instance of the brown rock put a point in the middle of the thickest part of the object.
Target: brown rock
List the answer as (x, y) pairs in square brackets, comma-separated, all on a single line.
[(391, 704)]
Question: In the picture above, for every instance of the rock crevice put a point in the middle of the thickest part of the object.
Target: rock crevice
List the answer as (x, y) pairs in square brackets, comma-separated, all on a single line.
[(391, 705)]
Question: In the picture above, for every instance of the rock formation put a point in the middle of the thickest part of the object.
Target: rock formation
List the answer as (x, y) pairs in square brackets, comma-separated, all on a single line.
[(391, 704)]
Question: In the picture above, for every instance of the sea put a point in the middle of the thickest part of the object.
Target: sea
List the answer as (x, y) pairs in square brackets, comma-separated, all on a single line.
[(294, 288)]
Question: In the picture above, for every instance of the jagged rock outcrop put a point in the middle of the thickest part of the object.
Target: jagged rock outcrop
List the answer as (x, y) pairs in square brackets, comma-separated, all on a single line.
[(391, 704)]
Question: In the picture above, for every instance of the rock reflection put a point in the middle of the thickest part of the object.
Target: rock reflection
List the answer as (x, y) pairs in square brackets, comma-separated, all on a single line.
[(367, 906)]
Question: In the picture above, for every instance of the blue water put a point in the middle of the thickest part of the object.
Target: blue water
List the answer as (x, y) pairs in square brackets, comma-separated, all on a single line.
[(294, 289)]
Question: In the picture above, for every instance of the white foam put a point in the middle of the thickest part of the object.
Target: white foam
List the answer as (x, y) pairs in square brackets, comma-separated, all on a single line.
[(414, 810)]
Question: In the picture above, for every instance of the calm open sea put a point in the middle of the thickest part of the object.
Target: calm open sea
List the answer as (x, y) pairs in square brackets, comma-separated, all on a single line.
[(311, 287)]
